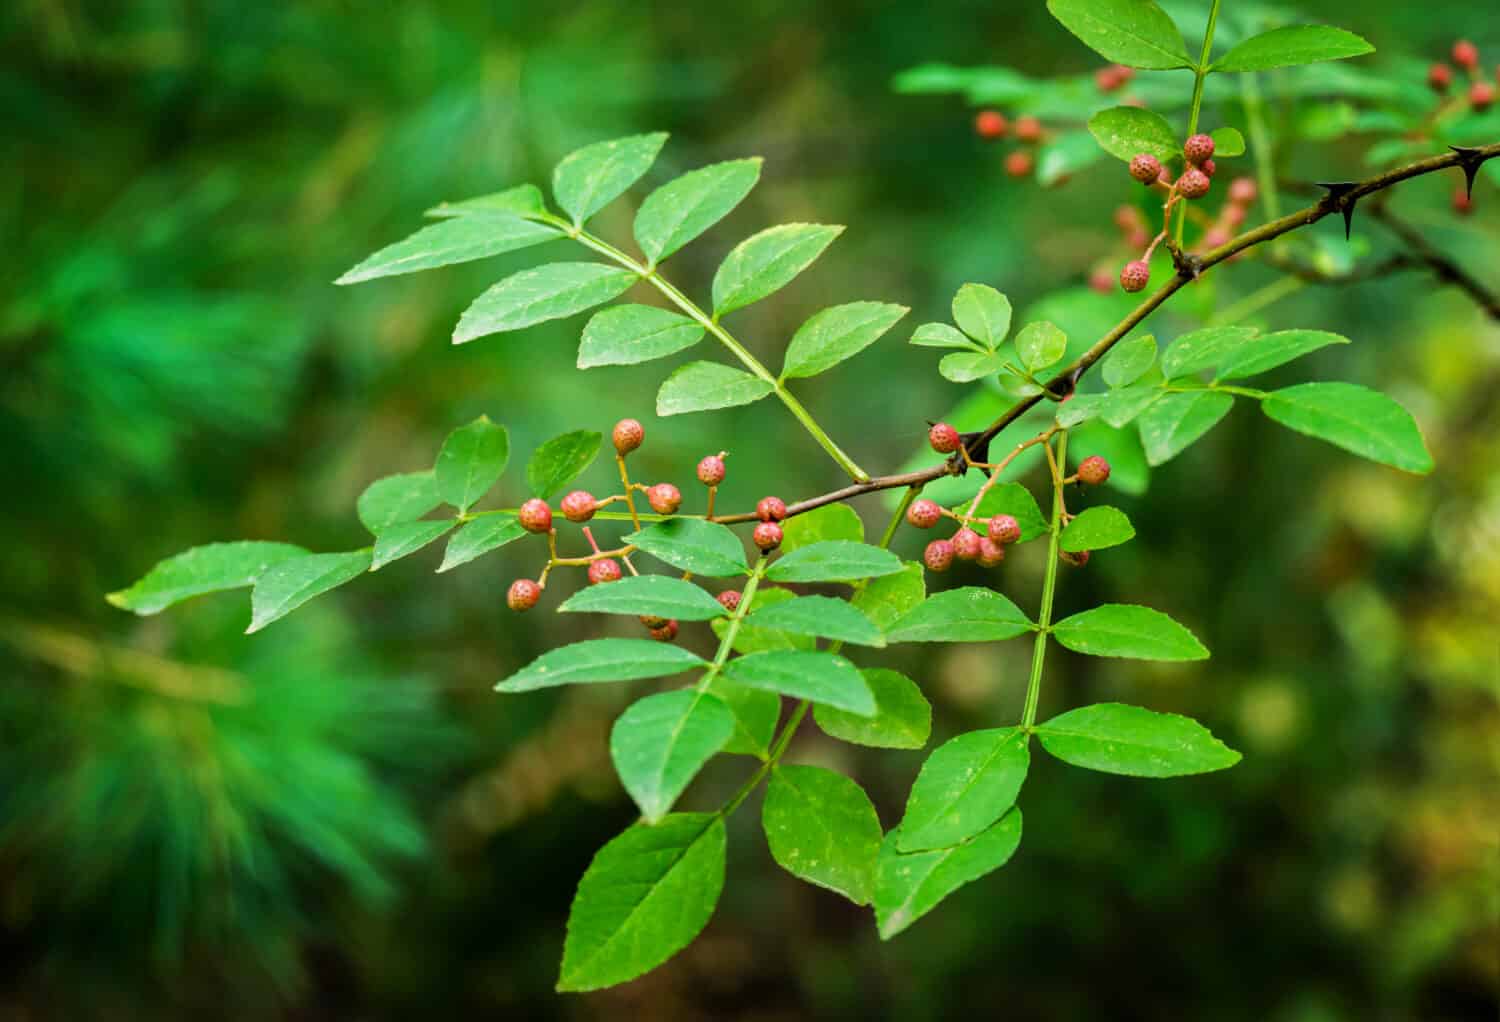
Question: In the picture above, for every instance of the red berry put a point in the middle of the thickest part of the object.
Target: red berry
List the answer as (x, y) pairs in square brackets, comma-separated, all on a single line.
[(652, 621), (1125, 72), (1215, 237), (770, 509), (1233, 215), (990, 552), (1193, 184), (1440, 77), (1198, 148), (1145, 168), (1136, 275), (535, 515), (938, 555), (604, 570), (1208, 167), (1466, 55), (1128, 218), (1093, 470), (1107, 79), (666, 633), (767, 536), (711, 470), (1018, 163), (1101, 281), (730, 599), (965, 544), (943, 438), (579, 506), (1028, 129), (1078, 559), (1462, 202), (664, 498), (1242, 190), (924, 513), (990, 124), (1003, 529), (1138, 239), (523, 594), (1481, 95), (628, 435)]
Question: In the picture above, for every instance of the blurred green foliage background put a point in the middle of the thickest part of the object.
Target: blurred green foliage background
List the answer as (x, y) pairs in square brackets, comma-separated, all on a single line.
[(339, 819)]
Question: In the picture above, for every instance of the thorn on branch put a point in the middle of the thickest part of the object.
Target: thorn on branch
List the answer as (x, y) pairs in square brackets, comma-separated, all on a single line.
[(1470, 160), (1338, 198)]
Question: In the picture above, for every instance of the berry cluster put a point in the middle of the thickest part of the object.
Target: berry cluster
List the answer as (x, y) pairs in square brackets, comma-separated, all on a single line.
[(993, 125), (1478, 97)]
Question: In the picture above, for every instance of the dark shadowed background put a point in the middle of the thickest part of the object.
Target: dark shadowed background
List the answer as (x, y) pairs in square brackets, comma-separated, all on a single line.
[(339, 819)]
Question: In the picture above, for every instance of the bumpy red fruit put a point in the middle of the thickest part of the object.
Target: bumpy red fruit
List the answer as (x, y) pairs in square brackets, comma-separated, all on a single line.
[(924, 513), (990, 552), (1093, 470), (1193, 184), (990, 124), (606, 570), (943, 438), (535, 516), (965, 544), (1198, 148), (523, 594), (939, 555), (1145, 168), (770, 509), (1078, 559), (628, 435), (1466, 55), (1019, 163), (767, 536), (1028, 129), (1208, 167), (664, 498), (1136, 275), (711, 470), (652, 621), (1242, 190), (666, 633), (729, 599), (579, 506), (1481, 95), (1440, 77), (1003, 529)]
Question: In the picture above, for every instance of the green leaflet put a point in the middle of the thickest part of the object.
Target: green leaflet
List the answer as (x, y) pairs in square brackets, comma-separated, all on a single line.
[(661, 742), (704, 548), (967, 784), (560, 460), (539, 294), (522, 200), (816, 676), (1203, 349), (685, 207), (968, 366), (479, 537), (1040, 345), (407, 538), (1173, 422), (1271, 350), (821, 616), (398, 498), (1228, 142), (704, 386), (970, 614), (902, 720), (1291, 45), (907, 887), (1125, 630), (1120, 739), (657, 595), (627, 334), (1126, 131), (645, 896), (833, 561), (211, 568), (1063, 156), (766, 262), (588, 179), (831, 521), (833, 335), (756, 713), (822, 828), (471, 460), (1133, 32), (940, 335), (457, 240), (753, 639), (983, 313), (290, 583), (1096, 528), (602, 660), (886, 599), (1362, 421)]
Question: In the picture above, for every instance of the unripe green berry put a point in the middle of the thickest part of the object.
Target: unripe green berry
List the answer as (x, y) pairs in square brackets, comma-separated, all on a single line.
[(1093, 470), (770, 509), (664, 498), (666, 633), (523, 594), (1003, 529), (939, 555), (711, 470), (990, 552), (627, 436), (579, 506), (1198, 148), (1135, 276), (535, 516), (924, 513), (1145, 168), (729, 599), (965, 544), (605, 570), (943, 438), (767, 536)]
